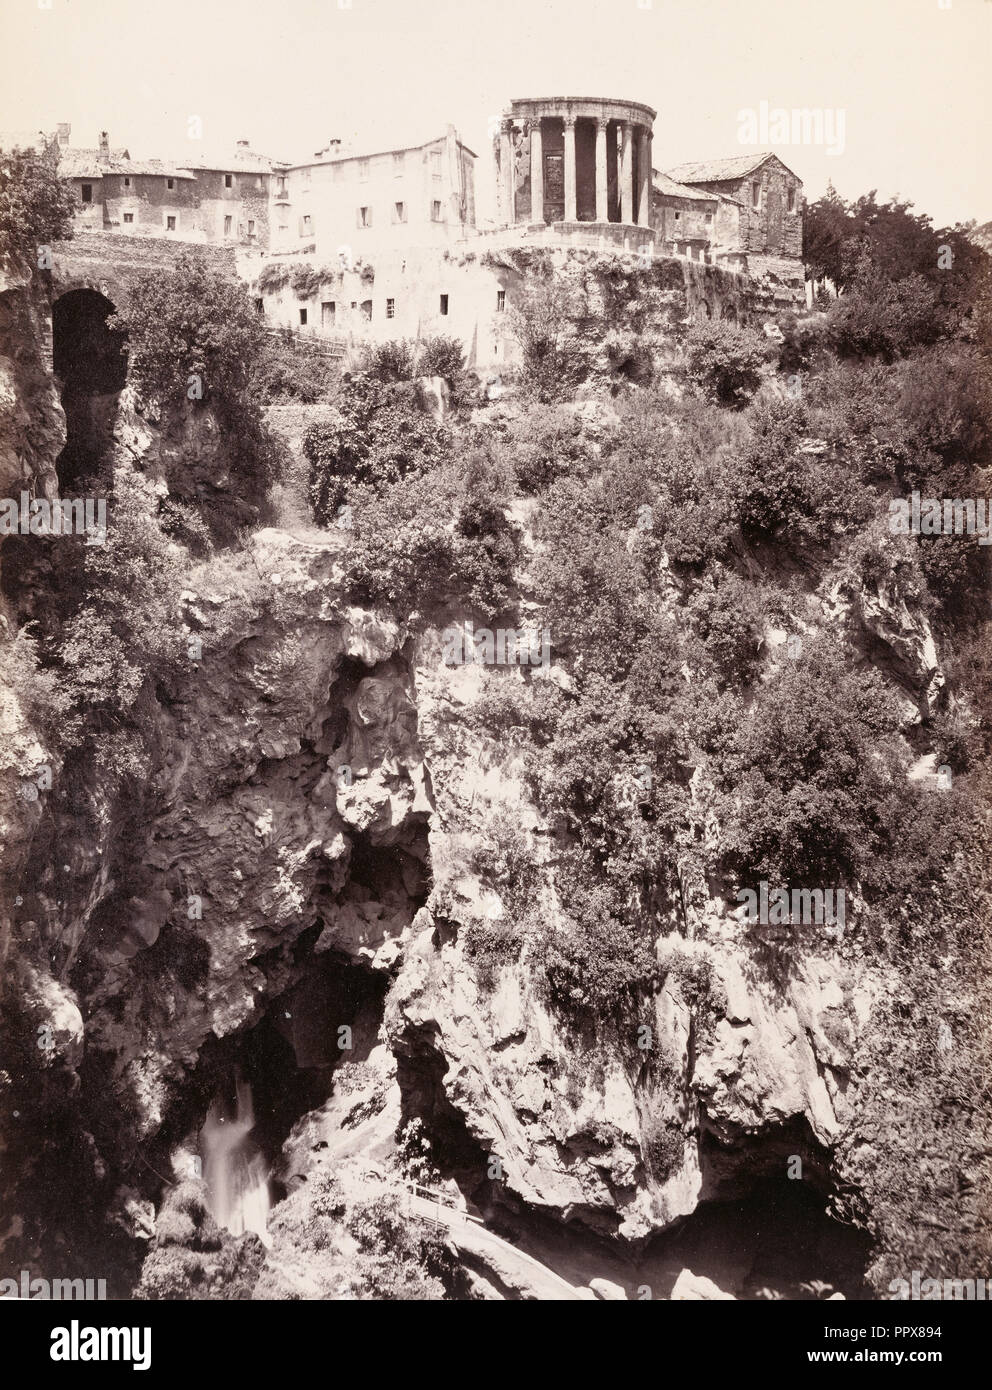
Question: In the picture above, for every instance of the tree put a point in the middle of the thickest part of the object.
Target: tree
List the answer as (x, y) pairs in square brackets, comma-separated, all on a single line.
[(826, 226), (725, 360), (192, 335), (36, 208)]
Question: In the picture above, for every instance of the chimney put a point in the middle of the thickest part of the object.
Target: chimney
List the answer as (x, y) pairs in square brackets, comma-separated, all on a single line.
[(104, 145), (62, 133), (243, 144)]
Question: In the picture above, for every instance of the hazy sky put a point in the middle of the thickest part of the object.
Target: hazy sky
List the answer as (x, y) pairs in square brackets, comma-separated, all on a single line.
[(911, 77)]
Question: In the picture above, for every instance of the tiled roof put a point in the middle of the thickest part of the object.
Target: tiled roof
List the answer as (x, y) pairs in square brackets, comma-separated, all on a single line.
[(713, 170), (663, 183), (373, 150), (239, 161), (91, 164)]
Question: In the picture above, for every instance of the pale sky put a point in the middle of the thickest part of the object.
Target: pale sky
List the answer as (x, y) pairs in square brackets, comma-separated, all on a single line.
[(912, 78)]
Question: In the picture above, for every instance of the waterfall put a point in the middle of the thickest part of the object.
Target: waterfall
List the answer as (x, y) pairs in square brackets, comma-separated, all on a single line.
[(235, 1172)]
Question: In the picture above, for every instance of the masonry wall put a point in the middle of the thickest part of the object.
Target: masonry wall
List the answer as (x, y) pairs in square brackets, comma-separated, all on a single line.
[(149, 201), (245, 202), (683, 219), (770, 228)]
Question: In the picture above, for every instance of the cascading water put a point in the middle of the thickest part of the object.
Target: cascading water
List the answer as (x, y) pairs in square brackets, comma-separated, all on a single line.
[(236, 1174)]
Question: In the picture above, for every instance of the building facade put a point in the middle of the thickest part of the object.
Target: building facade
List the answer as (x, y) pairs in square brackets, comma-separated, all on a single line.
[(361, 203), (758, 218)]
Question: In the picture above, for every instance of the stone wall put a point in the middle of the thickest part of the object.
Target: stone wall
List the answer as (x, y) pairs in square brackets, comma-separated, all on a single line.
[(770, 228)]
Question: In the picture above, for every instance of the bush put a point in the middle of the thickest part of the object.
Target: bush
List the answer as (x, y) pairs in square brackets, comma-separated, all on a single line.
[(543, 320), (728, 615), (379, 438), (126, 635), (724, 361), (441, 356), (402, 550), (191, 323), (387, 362), (879, 317), (288, 371), (594, 960), (545, 445), (783, 486), (305, 281), (808, 772)]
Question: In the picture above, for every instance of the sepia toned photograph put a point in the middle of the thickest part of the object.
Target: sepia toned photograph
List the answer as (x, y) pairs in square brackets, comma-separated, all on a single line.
[(496, 664)]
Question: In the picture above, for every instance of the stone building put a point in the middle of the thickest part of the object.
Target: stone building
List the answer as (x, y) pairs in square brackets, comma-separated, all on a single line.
[(757, 222), (572, 160), (404, 197), (215, 201)]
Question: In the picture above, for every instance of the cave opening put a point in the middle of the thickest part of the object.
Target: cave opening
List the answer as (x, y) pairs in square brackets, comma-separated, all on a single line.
[(89, 359), (328, 1015)]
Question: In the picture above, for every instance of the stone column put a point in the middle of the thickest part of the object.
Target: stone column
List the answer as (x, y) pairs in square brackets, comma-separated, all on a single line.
[(644, 206), (571, 214), (536, 173), (506, 170), (601, 207), (627, 174)]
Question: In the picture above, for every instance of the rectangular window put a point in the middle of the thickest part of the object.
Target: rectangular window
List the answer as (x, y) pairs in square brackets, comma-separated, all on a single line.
[(251, 227), (328, 314), (227, 225), (260, 306), (444, 304), (390, 308), (170, 224), (282, 188), (129, 217), (87, 193), (367, 310), (398, 165), (678, 217), (228, 180), (500, 301), (170, 183), (435, 211), (365, 217), (792, 197), (756, 195), (436, 164), (303, 318), (363, 170), (127, 183), (307, 224), (399, 212), (709, 218), (283, 229)]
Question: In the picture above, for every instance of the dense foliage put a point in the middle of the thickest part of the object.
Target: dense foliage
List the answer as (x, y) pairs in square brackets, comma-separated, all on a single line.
[(36, 208)]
